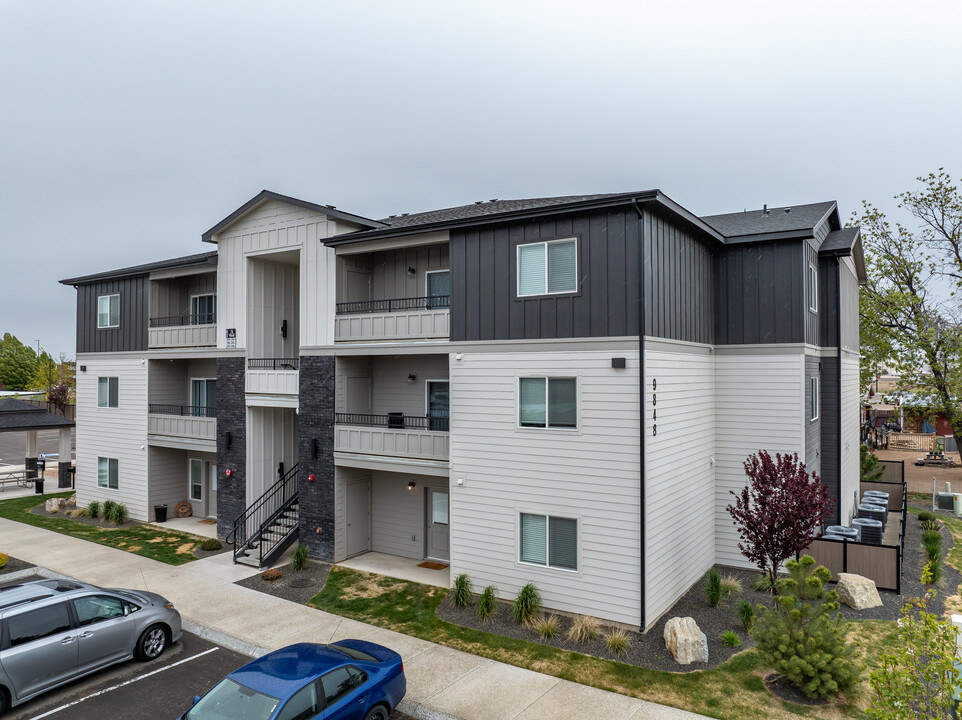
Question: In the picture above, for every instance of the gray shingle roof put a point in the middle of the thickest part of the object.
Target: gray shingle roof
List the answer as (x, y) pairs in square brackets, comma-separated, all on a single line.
[(144, 269), (843, 239), (796, 218), (18, 415)]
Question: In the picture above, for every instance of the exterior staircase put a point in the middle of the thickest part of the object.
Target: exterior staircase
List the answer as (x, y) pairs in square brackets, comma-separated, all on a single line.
[(269, 525)]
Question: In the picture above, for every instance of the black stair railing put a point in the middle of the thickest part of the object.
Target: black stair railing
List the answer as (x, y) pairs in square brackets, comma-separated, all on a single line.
[(251, 529)]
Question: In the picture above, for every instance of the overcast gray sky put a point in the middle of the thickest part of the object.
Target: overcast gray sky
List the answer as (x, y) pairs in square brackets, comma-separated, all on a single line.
[(129, 128)]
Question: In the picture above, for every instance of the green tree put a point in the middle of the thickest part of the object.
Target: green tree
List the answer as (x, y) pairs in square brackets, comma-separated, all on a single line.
[(801, 637), (868, 465), (908, 308), (45, 373), (17, 363)]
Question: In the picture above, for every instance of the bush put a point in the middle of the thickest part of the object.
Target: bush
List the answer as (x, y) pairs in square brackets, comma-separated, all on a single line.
[(120, 513), (761, 583), (210, 544), (926, 515), (713, 587), (932, 524), (107, 510), (3, 559), (933, 548), (462, 591), (114, 512), (546, 626), (803, 637), (730, 639), (746, 613), (584, 628), (617, 641), (93, 509), (527, 604), (931, 536), (271, 575), (299, 558), (485, 606), (934, 568), (731, 586)]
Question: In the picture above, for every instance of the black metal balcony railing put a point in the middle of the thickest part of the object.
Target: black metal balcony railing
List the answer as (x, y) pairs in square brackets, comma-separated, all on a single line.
[(178, 320), (436, 302), (272, 363), (439, 422), (183, 410)]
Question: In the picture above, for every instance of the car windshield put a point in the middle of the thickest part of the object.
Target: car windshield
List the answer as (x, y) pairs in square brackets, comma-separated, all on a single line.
[(229, 700)]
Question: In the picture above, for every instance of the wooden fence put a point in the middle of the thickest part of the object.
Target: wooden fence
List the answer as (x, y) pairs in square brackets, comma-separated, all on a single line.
[(911, 441)]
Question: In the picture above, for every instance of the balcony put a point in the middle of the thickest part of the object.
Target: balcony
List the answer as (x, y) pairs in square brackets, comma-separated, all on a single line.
[(272, 376), (182, 331), (188, 422), (415, 318), (393, 435)]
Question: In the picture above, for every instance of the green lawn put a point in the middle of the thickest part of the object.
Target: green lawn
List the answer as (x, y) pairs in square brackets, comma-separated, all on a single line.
[(173, 548)]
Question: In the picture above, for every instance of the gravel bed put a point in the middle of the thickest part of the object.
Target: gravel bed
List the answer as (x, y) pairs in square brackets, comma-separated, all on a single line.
[(83, 519), (314, 572), (14, 565)]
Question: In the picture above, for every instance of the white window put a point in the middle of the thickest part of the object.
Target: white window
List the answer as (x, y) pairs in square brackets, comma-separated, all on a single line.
[(107, 473), (549, 541), (108, 311), (812, 288), (203, 309), (548, 402), (813, 397), (107, 391), (547, 268), (196, 479)]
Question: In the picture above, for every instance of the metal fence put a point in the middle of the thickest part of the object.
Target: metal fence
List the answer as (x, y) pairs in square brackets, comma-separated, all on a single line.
[(272, 363), (70, 413), (435, 302), (183, 410), (437, 422), (894, 471), (179, 320)]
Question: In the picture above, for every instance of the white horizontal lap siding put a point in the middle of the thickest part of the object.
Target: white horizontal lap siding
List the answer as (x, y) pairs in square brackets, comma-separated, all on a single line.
[(119, 432), (397, 513), (759, 405), (679, 480), (591, 474), (343, 476), (849, 434)]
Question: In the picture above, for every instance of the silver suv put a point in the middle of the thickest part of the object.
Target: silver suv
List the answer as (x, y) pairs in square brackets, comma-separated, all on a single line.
[(53, 631)]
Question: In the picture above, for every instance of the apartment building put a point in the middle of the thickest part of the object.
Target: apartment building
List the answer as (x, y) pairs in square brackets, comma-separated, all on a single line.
[(553, 390)]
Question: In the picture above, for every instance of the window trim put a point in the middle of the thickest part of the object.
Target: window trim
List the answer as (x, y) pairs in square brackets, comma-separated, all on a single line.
[(547, 426), (108, 378), (204, 473), (191, 313), (813, 399), (107, 486), (547, 525), (427, 287), (812, 288), (99, 298), (547, 292)]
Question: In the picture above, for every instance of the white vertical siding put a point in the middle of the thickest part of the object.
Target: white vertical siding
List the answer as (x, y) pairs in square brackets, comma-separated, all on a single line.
[(272, 436), (591, 474), (119, 432), (679, 478), (759, 405), (850, 436)]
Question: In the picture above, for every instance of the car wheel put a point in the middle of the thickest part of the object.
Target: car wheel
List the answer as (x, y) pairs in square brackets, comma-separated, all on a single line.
[(152, 642), (378, 712), (4, 700)]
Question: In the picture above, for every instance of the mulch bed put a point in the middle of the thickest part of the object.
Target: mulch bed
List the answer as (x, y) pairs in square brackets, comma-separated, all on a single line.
[(312, 577), (83, 519), (14, 565)]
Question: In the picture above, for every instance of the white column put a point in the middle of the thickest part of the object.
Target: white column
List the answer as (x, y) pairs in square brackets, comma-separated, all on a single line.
[(65, 443), (31, 444)]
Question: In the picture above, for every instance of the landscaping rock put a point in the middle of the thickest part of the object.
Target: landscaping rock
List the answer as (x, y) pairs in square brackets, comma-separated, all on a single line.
[(72, 500), (857, 592), (686, 642), (55, 504)]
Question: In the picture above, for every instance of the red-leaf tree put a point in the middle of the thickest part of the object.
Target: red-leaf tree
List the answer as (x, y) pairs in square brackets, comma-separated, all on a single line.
[(779, 511)]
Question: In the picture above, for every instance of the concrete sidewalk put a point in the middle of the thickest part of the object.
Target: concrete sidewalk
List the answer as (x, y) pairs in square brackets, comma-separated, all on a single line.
[(441, 682)]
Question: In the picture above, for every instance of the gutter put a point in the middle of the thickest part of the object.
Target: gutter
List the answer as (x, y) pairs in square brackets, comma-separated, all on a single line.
[(641, 387), (838, 374)]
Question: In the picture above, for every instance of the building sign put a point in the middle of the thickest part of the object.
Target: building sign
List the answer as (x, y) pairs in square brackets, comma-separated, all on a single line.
[(231, 337)]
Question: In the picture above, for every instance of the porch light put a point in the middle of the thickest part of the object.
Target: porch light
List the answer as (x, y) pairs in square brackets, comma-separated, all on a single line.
[(411, 485), (412, 377), (412, 271)]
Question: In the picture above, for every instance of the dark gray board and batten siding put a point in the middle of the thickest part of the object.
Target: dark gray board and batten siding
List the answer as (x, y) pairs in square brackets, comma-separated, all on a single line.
[(829, 429), (131, 335)]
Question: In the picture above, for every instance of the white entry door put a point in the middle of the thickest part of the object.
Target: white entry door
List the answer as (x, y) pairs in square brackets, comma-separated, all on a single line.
[(358, 518), (437, 532)]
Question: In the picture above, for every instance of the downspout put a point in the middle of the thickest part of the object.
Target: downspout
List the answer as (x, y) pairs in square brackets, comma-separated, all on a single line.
[(641, 384), (838, 375)]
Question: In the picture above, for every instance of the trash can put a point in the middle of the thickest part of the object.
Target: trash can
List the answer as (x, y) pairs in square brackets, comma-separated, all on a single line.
[(38, 486), (160, 513)]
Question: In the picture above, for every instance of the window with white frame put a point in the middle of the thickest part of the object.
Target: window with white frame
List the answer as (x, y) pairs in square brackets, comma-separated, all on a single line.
[(550, 541), (107, 473), (545, 402), (203, 309), (548, 268), (107, 391), (813, 397), (108, 311), (812, 288)]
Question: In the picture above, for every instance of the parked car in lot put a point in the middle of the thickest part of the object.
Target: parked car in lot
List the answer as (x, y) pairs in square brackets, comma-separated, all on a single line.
[(348, 680), (54, 631)]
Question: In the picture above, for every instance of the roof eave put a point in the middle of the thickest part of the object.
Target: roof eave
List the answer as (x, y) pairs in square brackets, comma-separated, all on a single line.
[(140, 270), (803, 234)]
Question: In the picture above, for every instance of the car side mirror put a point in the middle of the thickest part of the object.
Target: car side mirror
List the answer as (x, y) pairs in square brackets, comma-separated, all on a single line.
[(196, 699), (126, 609)]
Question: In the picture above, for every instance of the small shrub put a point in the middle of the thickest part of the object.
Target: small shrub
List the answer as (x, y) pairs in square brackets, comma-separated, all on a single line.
[(730, 639), (931, 524), (210, 544), (931, 536), (114, 512), (583, 629), (120, 513), (271, 575), (93, 509), (462, 591), (3, 559), (934, 568), (933, 548), (713, 587), (926, 515), (546, 626), (107, 510), (617, 641), (761, 583), (746, 613), (527, 604), (299, 558), (485, 606), (731, 586)]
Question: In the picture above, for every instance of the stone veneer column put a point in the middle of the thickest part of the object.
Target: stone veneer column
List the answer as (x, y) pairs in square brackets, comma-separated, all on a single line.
[(316, 455), (231, 442)]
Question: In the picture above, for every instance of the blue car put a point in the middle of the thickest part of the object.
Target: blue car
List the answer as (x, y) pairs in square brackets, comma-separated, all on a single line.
[(347, 680)]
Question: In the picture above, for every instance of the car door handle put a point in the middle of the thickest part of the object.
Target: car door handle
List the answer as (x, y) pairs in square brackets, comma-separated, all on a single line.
[(67, 640), (86, 634)]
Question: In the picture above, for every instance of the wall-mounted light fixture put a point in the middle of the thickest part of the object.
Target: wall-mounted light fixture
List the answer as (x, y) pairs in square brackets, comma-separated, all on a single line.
[(411, 485), (83, 368), (283, 328), (412, 271), (412, 377), (228, 440), (314, 447)]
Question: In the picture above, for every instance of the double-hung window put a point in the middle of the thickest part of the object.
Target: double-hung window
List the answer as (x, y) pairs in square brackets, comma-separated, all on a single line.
[(548, 402), (813, 397), (812, 288), (548, 268), (107, 392), (108, 311), (107, 473), (550, 541)]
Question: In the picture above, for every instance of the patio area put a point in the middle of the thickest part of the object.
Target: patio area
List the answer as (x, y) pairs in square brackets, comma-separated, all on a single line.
[(192, 525), (399, 567)]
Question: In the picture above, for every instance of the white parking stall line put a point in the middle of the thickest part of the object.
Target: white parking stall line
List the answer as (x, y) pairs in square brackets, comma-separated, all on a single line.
[(128, 682)]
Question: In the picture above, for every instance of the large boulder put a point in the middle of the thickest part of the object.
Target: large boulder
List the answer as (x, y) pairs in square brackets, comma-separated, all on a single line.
[(55, 504), (857, 592), (686, 642)]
